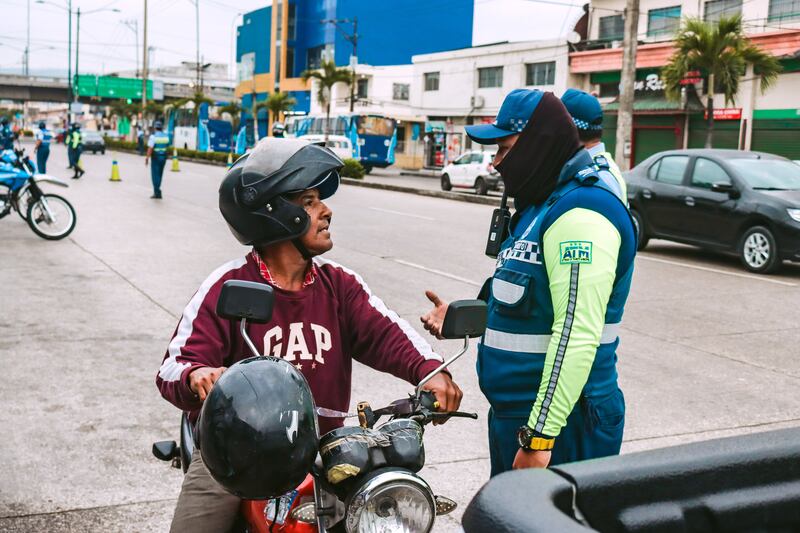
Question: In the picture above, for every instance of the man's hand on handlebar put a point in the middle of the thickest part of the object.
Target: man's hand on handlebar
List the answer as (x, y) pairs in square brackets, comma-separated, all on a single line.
[(433, 320), (202, 380), (447, 393)]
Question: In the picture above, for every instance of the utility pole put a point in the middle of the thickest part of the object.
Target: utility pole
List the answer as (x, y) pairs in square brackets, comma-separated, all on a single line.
[(77, 52), (354, 63), (28, 43), (69, 62), (144, 64), (625, 114), (133, 25), (197, 41)]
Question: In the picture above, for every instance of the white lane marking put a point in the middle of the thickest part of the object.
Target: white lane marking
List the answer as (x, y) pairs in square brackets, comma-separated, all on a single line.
[(400, 213), (719, 271), (439, 272)]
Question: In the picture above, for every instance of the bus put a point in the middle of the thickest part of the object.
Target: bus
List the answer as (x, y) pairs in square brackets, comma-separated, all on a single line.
[(374, 137)]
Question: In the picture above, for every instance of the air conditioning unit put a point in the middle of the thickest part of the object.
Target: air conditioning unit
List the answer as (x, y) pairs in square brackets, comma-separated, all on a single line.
[(476, 102)]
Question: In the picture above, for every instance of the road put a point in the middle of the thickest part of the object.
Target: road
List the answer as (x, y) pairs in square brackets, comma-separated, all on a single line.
[(707, 349)]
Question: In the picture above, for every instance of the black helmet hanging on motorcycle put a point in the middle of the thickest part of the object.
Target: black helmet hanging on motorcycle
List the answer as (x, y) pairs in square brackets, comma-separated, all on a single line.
[(257, 431), (253, 195)]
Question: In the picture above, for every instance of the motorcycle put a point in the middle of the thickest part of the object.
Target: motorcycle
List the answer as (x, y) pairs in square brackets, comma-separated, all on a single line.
[(365, 476), (50, 216)]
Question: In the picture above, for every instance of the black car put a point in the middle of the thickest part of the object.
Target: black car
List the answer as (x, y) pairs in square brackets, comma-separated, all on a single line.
[(747, 203), (94, 142)]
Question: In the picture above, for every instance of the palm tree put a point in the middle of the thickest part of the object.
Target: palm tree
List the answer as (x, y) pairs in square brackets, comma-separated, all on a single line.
[(234, 109), (277, 104), (197, 98), (327, 76), (722, 52)]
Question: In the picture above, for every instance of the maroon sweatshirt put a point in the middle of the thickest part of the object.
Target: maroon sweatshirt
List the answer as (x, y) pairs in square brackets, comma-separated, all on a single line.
[(320, 329)]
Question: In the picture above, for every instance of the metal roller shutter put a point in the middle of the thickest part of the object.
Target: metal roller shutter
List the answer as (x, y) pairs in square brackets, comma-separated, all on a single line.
[(781, 137), (726, 133), (650, 141)]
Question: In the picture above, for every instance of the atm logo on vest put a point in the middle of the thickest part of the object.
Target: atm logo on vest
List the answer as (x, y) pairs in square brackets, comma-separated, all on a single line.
[(576, 252)]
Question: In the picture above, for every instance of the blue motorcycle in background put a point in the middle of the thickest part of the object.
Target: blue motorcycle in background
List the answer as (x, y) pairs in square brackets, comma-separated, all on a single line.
[(50, 216)]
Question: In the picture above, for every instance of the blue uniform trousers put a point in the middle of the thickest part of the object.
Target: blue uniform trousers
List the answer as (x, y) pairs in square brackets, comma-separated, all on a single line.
[(157, 172), (594, 429), (41, 158), (71, 156)]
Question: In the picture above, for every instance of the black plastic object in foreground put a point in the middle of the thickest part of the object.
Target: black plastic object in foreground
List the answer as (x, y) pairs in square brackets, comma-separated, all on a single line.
[(245, 299), (464, 318), (744, 484)]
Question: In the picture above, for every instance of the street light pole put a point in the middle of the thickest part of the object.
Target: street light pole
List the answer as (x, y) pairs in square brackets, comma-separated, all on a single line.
[(144, 64), (77, 52), (197, 40), (133, 25), (69, 62), (28, 43)]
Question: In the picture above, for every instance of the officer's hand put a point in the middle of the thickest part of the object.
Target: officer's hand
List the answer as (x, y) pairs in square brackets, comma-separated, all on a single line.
[(532, 459), (202, 380), (447, 393), (433, 320)]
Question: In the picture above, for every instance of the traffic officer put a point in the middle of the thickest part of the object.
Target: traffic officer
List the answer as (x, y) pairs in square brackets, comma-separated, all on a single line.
[(74, 149), (42, 149), (587, 113), (547, 361), (6, 135), (157, 146)]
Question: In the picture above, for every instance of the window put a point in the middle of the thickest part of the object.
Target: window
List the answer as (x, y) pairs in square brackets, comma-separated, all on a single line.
[(463, 160), (540, 73), (289, 62), (671, 169), (608, 90), (371, 125), (362, 88), (612, 28), (314, 57), (292, 26), (400, 91), (664, 21), (707, 173), (490, 77), (431, 81), (721, 8), (784, 9)]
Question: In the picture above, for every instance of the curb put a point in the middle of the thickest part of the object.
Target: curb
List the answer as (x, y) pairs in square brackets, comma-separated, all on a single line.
[(418, 174), (471, 199), (180, 158)]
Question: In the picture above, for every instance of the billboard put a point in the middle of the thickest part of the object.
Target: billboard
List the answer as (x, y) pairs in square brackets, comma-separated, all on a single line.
[(114, 87)]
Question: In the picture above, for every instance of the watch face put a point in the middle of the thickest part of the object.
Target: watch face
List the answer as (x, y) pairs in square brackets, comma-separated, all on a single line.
[(524, 435)]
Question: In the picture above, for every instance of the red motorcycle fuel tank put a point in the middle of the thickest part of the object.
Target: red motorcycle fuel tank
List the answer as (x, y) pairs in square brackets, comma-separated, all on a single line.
[(259, 514)]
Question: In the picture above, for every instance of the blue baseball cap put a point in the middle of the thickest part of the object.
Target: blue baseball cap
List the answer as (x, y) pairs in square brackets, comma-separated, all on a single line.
[(585, 109), (512, 118)]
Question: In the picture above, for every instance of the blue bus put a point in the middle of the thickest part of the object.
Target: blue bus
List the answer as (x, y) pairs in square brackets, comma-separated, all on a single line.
[(374, 137)]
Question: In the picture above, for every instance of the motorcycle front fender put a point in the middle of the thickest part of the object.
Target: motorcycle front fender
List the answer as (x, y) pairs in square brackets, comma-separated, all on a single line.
[(46, 178)]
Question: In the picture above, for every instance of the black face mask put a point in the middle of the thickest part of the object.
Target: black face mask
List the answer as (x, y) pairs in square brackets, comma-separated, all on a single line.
[(531, 168)]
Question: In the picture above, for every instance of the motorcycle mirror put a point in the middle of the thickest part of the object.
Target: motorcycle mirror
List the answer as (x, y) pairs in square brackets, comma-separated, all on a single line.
[(246, 300), (464, 318)]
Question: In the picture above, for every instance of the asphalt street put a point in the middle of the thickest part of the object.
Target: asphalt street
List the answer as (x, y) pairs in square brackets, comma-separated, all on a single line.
[(707, 349)]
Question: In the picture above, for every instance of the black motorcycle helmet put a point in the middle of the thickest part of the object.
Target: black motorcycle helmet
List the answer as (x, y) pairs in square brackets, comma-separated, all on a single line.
[(252, 197), (257, 431)]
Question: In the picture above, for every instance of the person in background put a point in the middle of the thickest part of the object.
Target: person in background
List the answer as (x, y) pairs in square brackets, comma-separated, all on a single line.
[(76, 145), (6, 135), (157, 146), (140, 139), (42, 149), (587, 114)]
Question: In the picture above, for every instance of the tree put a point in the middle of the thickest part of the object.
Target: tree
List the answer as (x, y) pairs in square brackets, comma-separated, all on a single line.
[(154, 109), (277, 104), (328, 76), (197, 98), (722, 52), (234, 109)]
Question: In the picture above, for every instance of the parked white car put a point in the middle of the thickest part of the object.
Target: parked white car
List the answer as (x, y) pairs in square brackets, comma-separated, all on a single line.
[(339, 144), (473, 170)]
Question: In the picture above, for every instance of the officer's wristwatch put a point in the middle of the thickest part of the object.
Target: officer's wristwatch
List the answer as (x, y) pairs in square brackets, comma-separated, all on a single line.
[(530, 440)]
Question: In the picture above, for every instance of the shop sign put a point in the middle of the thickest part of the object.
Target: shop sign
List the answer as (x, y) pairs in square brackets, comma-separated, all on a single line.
[(731, 113), (434, 126), (691, 77), (651, 83)]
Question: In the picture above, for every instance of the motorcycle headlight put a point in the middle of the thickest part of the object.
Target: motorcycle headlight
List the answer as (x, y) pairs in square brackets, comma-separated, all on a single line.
[(391, 502)]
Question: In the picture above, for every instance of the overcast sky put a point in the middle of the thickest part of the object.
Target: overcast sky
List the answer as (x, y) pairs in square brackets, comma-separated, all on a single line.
[(107, 44)]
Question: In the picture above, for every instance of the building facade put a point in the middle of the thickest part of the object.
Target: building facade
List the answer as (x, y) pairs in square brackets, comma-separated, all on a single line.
[(767, 122), (275, 44)]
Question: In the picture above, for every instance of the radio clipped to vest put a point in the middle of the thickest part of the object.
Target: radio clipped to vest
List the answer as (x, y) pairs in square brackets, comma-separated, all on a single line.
[(498, 229)]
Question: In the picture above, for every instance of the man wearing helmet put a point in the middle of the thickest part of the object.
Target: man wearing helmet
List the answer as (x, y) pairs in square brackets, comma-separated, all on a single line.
[(6, 135), (324, 314)]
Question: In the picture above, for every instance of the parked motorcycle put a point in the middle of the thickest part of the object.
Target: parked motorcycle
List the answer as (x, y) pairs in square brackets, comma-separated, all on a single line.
[(365, 477), (50, 216)]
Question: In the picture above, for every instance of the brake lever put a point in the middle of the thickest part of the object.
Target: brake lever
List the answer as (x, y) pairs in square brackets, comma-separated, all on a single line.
[(454, 414)]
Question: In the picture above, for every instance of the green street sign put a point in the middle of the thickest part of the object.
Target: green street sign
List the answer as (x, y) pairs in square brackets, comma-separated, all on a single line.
[(111, 87)]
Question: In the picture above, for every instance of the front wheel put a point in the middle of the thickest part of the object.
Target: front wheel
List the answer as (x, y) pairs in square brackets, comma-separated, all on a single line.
[(23, 203), (481, 188), (758, 250), (641, 231), (446, 185), (51, 217)]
